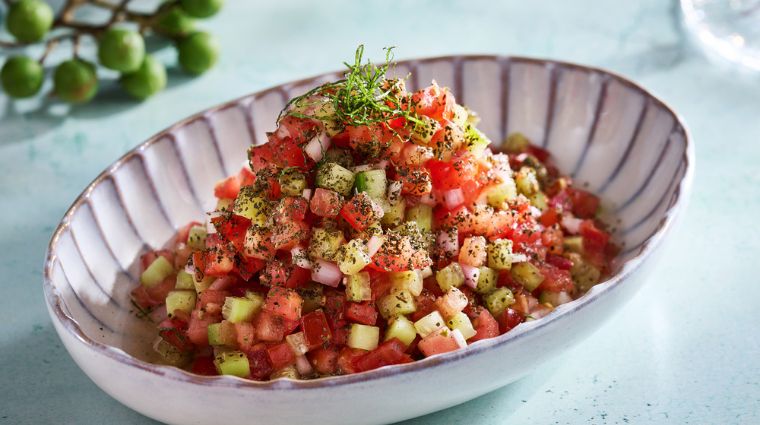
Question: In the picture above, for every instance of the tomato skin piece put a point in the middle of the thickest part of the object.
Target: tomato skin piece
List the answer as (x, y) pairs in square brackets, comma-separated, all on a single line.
[(324, 360), (281, 355), (550, 217), (425, 303), (585, 204), (219, 256), (559, 261), (452, 174), (275, 273), (259, 363), (415, 180), (173, 331), (347, 360), (508, 320), (435, 102), (204, 365), (485, 326), (232, 228), (245, 335), (247, 267), (316, 329), (261, 157), (388, 353), (269, 327), (298, 277), (228, 188), (364, 313), (594, 239)]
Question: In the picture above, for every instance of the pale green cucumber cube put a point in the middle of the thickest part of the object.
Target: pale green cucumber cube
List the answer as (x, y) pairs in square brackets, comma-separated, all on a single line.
[(156, 272), (422, 215), (196, 238), (402, 329), (353, 257), (181, 300), (184, 280), (397, 303), (527, 275), (486, 280), (500, 254), (410, 280), (393, 212), (373, 182), (429, 324), (251, 206), (462, 322), (449, 277), (292, 182), (239, 309), (358, 287), (499, 300), (334, 177), (232, 363), (363, 337), (325, 243)]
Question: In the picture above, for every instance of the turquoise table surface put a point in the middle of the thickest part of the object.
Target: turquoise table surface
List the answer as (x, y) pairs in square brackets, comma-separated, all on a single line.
[(685, 349)]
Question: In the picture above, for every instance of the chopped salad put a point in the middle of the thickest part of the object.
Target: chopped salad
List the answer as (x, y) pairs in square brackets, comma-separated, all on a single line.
[(375, 227)]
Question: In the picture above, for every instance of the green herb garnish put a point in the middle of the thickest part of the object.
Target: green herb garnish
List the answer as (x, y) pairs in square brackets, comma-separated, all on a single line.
[(363, 97)]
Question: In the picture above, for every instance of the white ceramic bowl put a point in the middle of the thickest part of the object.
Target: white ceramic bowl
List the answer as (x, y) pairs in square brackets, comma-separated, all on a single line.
[(604, 130)]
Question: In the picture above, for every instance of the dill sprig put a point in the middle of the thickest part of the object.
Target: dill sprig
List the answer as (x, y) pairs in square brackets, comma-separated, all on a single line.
[(363, 97)]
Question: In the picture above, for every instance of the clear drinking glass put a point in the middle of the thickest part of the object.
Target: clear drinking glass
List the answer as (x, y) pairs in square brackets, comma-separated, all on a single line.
[(728, 29)]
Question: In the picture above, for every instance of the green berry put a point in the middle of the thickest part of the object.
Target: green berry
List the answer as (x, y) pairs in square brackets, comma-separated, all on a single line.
[(198, 52), (121, 49), (174, 22), (29, 20), (201, 8), (22, 76), (75, 81), (149, 79)]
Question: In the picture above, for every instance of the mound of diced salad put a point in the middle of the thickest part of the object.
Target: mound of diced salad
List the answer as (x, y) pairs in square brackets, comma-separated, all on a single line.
[(368, 234)]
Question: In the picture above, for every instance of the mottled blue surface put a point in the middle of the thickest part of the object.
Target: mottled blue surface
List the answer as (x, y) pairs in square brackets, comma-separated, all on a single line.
[(686, 349)]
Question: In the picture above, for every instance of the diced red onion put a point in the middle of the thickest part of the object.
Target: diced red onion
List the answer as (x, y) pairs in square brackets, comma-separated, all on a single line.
[(471, 275), (382, 165), (448, 242), (571, 224), (282, 132), (394, 191), (299, 258), (190, 267), (306, 194), (363, 167), (158, 314), (303, 366), (519, 258), (374, 244), (426, 272), (222, 283), (459, 338), (317, 146), (326, 273), (453, 198)]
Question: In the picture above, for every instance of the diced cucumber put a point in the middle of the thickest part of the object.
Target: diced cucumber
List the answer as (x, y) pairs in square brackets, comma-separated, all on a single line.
[(334, 177), (460, 115), (363, 337), (527, 275), (292, 182), (156, 272), (462, 322), (225, 204), (339, 156), (424, 130), (358, 287), (232, 363), (430, 324), (170, 354), (251, 206), (499, 300), (402, 329), (325, 243), (196, 238), (487, 279), (397, 303), (516, 143), (538, 200), (352, 257), (313, 298), (421, 214), (573, 244), (373, 182), (498, 195), (286, 372), (554, 298), (449, 277), (221, 334), (475, 141), (526, 181), (239, 309), (500, 254), (410, 280), (181, 300), (203, 284), (184, 280), (393, 214), (584, 274)]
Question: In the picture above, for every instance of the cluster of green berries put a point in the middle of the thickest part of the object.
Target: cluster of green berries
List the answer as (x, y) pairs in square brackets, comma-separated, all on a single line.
[(120, 49)]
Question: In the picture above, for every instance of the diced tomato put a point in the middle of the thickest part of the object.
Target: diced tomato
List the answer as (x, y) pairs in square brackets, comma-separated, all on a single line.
[(291, 208), (485, 326), (149, 257), (220, 257), (247, 267), (259, 363), (184, 232), (555, 279), (508, 320), (552, 238), (315, 329), (296, 128), (284, 302), (425, 303), (197, 330), (437, 344), (324, 360), (228, 188), (559, 261), (594, 239), (435, 102), (585, 204), (281, 355), (380, 285), (326, 203), (261, 157), (398, 255), (233, 227), (204, 365), (415, 180), (275, 273), (298, 277), (211, 296), (286, 235), (550, 217), (364, 313), (173, 331), (388, 353), (245, 335), (453, 174), (361, 211), (269, 327), (347, 359)]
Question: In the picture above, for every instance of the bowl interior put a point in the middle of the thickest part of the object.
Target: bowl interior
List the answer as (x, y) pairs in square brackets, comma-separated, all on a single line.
[(606, 132)]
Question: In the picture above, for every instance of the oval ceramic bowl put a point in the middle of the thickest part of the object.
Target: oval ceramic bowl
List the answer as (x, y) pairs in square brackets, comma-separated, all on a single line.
[(604, 130)]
